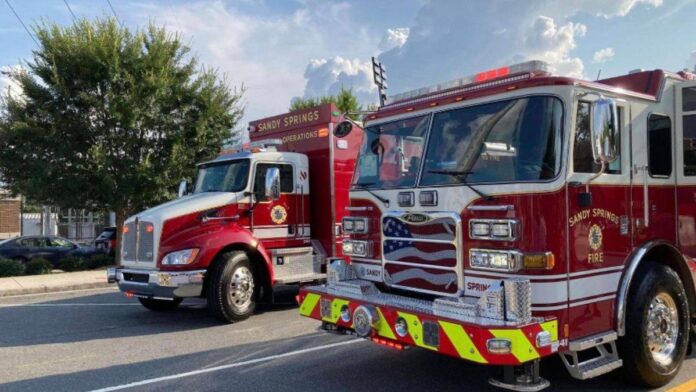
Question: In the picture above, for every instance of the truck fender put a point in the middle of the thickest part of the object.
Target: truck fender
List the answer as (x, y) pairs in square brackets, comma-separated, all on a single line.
[(244, 240), (668, 255)]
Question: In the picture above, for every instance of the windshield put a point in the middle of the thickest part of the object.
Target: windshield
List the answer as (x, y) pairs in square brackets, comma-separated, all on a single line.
[(507, 141), (391, 154), (228, 176)]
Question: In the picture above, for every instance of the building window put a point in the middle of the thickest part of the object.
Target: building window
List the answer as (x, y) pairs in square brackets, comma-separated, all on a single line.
[(659, 145), (583, 161)]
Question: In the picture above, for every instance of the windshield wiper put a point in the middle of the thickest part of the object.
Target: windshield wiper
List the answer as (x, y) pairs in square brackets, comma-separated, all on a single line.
[(461, 175), (364, 186)]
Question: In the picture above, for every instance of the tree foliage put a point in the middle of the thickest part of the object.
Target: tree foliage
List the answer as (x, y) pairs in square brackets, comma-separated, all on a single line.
[(345, 101), (110, 118)]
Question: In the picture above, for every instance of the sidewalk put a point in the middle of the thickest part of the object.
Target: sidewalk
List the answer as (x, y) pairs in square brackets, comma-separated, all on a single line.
[(62, 281)]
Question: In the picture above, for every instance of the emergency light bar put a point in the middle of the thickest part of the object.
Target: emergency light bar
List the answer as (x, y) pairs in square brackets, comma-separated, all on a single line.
[(476, 81), (265, 145)]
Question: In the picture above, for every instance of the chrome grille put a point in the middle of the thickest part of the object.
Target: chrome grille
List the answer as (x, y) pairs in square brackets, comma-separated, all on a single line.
[(422, 252), (145, 242), (138, 242), (129, 242)]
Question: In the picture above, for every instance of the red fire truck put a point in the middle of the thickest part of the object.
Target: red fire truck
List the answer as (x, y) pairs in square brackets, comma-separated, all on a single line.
[(269, 215), (513, 215)]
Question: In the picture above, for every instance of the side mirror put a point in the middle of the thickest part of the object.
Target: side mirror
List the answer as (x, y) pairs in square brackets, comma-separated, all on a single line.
[(272, 185), (183, 186), (343, 129), (605, 131)]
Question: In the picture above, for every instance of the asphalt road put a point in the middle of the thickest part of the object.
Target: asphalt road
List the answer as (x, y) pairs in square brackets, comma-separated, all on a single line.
[(101, 340)]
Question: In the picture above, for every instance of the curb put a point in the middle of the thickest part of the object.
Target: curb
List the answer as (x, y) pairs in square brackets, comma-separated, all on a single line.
[(50, 289)]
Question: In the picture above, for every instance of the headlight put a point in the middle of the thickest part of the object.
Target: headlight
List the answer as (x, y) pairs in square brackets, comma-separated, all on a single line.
[(180, 257), (357, 248), (355, 225), (348, 225), (480, 229), (493, 229), (494, 260)]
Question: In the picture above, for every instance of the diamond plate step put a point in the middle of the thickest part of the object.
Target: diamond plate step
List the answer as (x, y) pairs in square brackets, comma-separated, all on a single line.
[(592, 341), (606, 360), (597, 367)]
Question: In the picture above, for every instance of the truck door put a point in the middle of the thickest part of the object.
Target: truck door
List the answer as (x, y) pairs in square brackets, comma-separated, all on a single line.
[(599, 232), (275, 221), (685, 120), (653, 189)]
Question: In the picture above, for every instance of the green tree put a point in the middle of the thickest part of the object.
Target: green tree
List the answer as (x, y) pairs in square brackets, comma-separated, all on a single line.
[(345, 101), (110, 118)]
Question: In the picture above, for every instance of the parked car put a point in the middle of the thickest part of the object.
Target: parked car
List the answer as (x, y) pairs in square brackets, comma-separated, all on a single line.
[(51, 248), (106, 241)]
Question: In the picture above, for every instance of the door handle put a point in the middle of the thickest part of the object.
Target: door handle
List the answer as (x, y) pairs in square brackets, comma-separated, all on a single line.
[(646, 201)]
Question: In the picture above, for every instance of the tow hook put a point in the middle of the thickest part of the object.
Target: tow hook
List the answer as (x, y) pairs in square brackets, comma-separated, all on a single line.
[(332, 328)]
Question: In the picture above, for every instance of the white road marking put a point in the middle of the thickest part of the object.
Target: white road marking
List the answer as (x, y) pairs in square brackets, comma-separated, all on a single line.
[(58, 305), (223, 367), (60, 292)]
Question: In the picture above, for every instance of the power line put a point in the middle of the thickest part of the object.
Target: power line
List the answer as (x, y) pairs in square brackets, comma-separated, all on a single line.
[(114, 11), (71, 11), (22, 22)]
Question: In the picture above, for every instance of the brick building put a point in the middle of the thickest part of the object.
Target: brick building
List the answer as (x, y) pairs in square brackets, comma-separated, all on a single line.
[(10, 225)]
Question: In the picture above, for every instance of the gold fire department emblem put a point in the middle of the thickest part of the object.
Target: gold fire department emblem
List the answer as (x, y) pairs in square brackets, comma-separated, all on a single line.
[(279, 215), (595, 237)]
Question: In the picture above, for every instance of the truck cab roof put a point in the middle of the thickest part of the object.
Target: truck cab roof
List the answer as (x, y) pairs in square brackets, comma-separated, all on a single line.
[(266, 156)]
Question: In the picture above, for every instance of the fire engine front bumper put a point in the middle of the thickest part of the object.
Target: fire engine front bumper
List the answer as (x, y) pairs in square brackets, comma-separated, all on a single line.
[(157, 284), (469, 328)]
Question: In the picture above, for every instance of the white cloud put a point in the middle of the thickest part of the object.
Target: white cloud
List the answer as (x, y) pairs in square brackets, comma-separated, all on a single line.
[(603, 55), (394, 38), (328, 76), (265, 49), (7, 84), (448, 41)]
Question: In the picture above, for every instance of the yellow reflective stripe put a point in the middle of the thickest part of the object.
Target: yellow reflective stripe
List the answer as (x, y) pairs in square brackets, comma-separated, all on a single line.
[(462, 342), (552, 328), (522, 349), (309, 303), (383, 328), (336, 306), (415, 329)]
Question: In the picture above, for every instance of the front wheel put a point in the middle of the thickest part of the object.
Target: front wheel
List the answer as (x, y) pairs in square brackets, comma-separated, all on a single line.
[(160, 304), (657, 326), (232, 290)]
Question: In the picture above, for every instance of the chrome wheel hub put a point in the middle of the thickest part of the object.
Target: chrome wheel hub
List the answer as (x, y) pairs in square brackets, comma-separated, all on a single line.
[(663, 328), (241, 288)]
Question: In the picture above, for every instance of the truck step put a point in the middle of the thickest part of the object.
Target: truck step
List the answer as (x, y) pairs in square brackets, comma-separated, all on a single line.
[(592, 341), (605, 360), (598, 366), (312, 277)]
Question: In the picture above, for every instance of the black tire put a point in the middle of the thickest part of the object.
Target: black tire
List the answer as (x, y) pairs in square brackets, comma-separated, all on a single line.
[(654, 286), (232, 291), (159, 305)]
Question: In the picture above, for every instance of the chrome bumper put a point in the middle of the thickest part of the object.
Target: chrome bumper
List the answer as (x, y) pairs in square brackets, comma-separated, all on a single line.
[(157, 284), (507, 303)]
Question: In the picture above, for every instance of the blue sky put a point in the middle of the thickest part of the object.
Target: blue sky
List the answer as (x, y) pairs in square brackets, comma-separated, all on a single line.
[(283, 49)]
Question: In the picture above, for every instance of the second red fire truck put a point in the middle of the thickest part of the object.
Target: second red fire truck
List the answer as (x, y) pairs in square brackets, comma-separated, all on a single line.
[(269, 215), (514, 215)]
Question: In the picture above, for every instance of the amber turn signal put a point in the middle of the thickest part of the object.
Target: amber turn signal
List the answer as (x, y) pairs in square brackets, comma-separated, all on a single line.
[(544, 260)]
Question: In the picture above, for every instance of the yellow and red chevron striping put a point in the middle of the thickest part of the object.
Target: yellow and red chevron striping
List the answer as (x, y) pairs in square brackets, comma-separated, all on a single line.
[(456, 339)]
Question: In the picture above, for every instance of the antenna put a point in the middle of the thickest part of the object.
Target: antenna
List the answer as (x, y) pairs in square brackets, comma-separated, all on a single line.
[(598, 74), (380, 78)]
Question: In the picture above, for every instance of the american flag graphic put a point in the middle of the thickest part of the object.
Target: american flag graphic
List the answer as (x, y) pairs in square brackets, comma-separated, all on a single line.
[(423, 245), (435, 229)]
